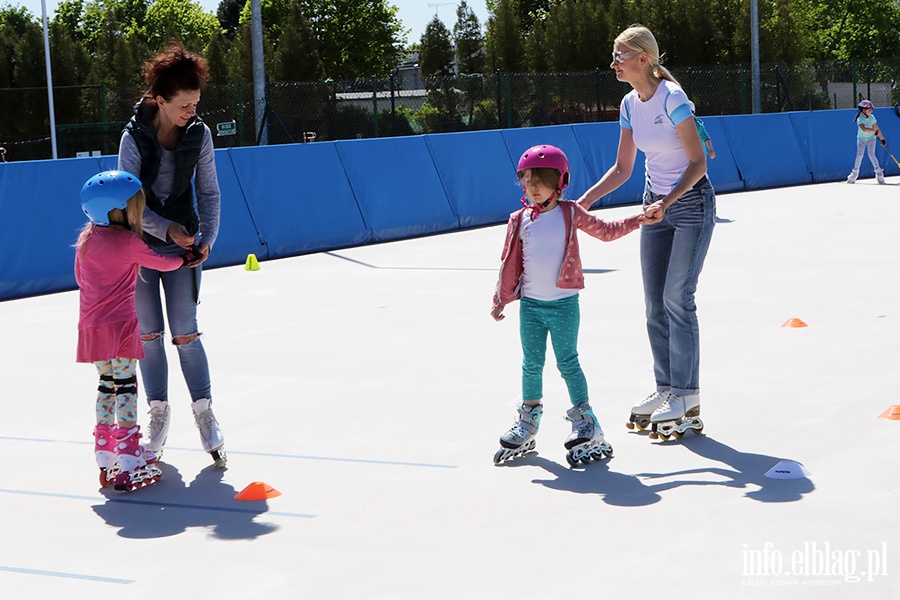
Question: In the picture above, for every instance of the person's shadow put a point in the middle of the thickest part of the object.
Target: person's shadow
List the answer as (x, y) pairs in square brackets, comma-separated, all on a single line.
[(745, 470), (742, 470), (169, 507), (597, 478)]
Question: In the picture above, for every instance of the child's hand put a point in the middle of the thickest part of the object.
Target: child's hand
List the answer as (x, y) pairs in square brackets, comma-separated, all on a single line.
[(652, 214), (712, 154), (497, 313)]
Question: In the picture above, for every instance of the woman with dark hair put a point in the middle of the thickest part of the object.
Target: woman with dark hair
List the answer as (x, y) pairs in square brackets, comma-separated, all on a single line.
[(167, 145)]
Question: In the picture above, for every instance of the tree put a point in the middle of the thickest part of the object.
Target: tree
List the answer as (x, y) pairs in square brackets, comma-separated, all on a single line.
[(436, 55), (504, 43), (469, 40), (296, 57), (229, 15), (184, 20)]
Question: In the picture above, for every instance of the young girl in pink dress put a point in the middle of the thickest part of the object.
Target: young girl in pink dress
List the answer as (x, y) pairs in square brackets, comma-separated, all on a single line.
[(108, 255)]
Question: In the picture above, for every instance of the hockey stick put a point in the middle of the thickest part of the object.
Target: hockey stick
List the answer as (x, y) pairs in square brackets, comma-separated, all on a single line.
[(891, 155)]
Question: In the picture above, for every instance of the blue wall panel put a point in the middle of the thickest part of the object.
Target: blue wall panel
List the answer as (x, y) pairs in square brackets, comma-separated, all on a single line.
[(238, 234), (397, 187), (599, 144), (41, 206), (478, 175), (722, 170), (766, 150), (299, 198), (828, 141)]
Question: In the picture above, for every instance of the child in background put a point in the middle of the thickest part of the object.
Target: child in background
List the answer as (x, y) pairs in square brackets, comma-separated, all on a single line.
[(541, 265), (108, 254), (705, 139), (866, 132)]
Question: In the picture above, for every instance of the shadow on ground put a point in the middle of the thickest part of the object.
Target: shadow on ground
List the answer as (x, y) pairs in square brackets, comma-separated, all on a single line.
[(740, 470), (170, 507)]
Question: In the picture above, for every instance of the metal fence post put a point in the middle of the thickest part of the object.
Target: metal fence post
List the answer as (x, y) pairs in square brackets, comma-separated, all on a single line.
[(853, 76), (393, 115), (499, 100), (597, 82), (375, 104)]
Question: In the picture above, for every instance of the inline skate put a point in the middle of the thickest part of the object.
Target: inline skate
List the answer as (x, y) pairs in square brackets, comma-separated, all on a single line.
[(135, 467), (210, 435), (675, 416), (640, 412), (520, 437), (586, 441)]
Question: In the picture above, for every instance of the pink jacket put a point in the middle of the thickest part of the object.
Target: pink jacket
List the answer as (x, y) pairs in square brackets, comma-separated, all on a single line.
[(106, 269), (571, 275)]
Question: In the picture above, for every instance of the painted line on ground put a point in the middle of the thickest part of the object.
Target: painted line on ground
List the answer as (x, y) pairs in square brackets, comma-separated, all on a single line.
[(66, 575), (367, 461), (160, 504)]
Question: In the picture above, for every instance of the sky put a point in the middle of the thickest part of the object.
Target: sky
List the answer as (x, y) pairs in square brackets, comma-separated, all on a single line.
[(414, 14)]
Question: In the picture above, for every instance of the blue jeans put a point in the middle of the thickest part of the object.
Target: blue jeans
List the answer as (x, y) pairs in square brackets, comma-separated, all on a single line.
[(181, 289), (672, 255), (560, 319)]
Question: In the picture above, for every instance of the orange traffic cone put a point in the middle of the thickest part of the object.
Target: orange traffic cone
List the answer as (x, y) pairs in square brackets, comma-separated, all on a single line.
[(257, 491), (891, 414), (794, 322)]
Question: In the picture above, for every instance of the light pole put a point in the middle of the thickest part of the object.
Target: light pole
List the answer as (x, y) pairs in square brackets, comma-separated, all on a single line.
[(754, 55), (49, 79)]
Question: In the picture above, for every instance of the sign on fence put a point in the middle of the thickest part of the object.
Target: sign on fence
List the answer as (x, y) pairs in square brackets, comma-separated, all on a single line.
[(229, 128)]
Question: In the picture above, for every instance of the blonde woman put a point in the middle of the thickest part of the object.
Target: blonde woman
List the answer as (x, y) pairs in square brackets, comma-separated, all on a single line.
[(656, 117)]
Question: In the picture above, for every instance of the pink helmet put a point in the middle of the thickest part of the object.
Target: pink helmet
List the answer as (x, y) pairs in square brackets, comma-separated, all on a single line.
[(546, 157), (865, 104)]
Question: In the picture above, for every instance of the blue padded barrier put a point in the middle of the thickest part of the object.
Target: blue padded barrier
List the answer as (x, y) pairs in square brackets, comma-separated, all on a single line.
[(299, 198), (722, 170), (238, 232), (561, 136), (766, 150), (397, 187), (41, 208), (599, 144), (828, 141), (478, 175)]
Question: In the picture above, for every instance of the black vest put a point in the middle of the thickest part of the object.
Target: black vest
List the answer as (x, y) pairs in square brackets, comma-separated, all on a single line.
[(179, 207)]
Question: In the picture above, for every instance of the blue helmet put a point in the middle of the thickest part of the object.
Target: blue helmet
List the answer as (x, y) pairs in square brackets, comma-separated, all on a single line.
[(106, 191)]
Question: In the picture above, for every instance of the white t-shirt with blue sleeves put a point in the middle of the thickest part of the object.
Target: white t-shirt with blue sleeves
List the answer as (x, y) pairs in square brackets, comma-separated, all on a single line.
[(653, 127)]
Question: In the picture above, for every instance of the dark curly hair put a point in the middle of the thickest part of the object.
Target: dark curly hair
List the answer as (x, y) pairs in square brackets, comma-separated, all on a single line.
[(173, 70)]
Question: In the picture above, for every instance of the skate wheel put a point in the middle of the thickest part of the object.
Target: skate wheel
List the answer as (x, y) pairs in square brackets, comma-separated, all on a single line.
[(104, 481), (653, 435), (498, 456), (629, 425), (570, 458), (678, 434), (219, 458), (662, 436)]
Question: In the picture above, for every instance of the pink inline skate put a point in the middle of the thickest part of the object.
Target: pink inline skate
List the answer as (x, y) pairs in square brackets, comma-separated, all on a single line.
[(135, 467), (105, 453)]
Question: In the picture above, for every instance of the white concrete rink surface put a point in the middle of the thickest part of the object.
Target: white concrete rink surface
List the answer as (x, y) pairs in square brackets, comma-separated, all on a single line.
[(370, 385)]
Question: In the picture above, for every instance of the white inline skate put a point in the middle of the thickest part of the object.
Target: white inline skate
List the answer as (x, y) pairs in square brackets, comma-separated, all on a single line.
[(640, 412), (135, 466), (675, 416), (520, 437), (158, 427), (586, 441), (210, 435)]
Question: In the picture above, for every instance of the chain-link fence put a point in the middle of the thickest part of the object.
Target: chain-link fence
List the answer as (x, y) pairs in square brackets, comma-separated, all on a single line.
[(90, 118)]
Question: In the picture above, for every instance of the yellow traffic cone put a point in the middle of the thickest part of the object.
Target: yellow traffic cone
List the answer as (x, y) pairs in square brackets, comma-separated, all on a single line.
[(252, 264)]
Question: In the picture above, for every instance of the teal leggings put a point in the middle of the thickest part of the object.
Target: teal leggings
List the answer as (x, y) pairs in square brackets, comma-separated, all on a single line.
[(559, 318)]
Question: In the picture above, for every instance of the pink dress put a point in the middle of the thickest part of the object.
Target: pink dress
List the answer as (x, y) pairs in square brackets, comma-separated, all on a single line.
[(106, 269)]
